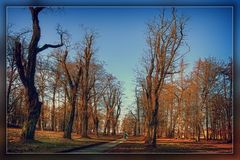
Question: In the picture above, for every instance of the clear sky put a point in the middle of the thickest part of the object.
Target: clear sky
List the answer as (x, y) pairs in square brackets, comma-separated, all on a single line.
[(121, 31)]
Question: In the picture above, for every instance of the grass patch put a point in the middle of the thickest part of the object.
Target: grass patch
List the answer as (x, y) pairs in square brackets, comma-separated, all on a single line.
[(46, 142)]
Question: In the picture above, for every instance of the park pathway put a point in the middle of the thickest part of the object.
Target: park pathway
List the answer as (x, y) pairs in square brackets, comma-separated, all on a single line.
[(97, 148)]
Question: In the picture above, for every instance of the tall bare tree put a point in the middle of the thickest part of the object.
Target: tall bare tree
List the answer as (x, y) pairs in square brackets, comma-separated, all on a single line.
[(165, 36), (26, 70), (87, 85), (73, 73), (98, 90)]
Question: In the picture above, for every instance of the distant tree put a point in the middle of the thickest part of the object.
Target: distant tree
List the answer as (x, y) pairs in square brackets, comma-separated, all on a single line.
[(112, 103), (129, 124), (42, 76), (55, 83), (12, 77), (138, 111)]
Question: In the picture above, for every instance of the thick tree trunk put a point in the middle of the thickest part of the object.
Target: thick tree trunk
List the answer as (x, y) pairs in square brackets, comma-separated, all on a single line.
[(96, 126), (68, 127), (114, 131), (198, 132), (148, 138), (105, 127), (85, 119), (114, 126), (9, 88), (34, 109), (109, 127)]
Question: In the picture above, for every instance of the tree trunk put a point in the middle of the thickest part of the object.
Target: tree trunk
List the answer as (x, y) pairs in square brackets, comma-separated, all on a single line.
[(34, 109), (42, 112), (138, 117), (198, 132), (207, 121), (68, 128), (96, 126), (109, 127), (155, 121), (65, 111), (147, 126), (53, 109), (114, 131), (85, 119)]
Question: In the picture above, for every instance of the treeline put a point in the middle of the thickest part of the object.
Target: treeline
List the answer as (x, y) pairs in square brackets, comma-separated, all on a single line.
[(174, 102), (67, 89)]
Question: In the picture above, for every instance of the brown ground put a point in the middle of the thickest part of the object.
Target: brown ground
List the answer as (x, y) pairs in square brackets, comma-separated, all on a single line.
[(52, 142), (171, 146), (49, 142)]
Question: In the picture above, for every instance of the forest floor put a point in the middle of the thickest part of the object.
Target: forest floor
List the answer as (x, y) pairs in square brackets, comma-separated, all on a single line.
[(52, 142)]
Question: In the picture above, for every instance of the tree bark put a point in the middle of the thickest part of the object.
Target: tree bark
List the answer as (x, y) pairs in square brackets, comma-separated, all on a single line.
[(34, 108), (68, 128), (53, 109)]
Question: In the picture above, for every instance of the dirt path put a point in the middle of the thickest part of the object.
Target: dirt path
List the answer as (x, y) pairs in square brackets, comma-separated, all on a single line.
[(97, 148)]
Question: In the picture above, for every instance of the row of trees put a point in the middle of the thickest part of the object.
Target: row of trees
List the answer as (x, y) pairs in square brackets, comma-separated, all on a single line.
[(171, 104), (66, 90), (198, 106), (69, 90)]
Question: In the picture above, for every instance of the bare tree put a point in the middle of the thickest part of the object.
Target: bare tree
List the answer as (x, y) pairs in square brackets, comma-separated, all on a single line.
[(11, 76), (26, 70), (42, 77), (55, 83), (85, 80), (98, 90), (165, 36), (112, 103), (209, 70), (138, 110), (71, 87), (117, 112)]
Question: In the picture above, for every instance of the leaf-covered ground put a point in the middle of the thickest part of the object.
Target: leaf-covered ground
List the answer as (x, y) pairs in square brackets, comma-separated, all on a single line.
[(48, 142), (171, 146), (52, 142)]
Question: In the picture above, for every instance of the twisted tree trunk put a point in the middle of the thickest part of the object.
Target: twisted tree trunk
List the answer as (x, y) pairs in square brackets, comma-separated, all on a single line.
[(26, 70)]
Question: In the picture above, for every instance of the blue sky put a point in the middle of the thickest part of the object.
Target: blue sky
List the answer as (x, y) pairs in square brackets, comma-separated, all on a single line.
[(121, 34)]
